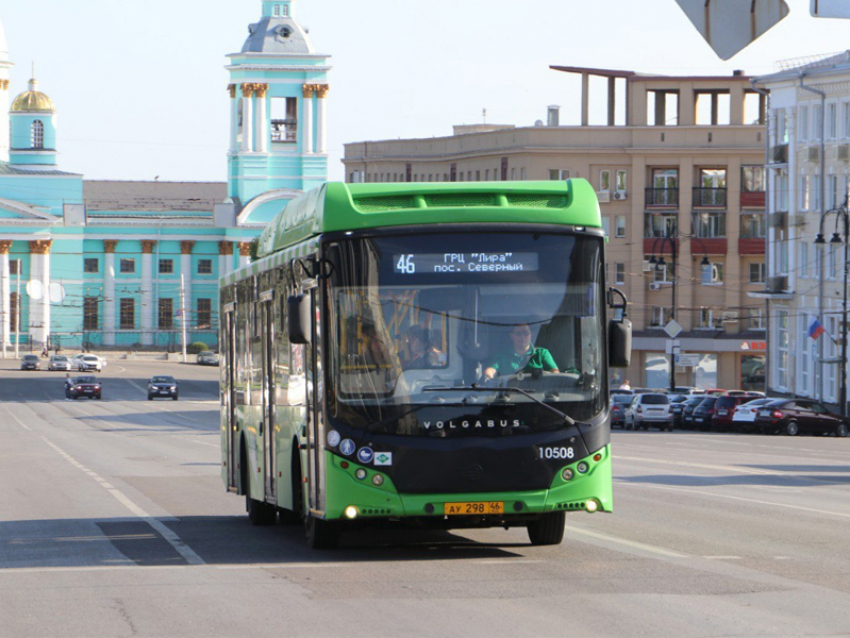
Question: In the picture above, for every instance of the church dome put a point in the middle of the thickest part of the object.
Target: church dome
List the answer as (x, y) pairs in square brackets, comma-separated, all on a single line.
[(33, 101)]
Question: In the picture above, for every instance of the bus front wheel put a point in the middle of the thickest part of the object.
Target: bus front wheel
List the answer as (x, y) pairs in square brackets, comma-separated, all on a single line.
[(548, 530)]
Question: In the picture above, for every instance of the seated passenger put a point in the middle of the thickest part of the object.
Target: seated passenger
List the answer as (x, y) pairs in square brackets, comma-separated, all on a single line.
[(523, 357), (422, 355), (375, 354)]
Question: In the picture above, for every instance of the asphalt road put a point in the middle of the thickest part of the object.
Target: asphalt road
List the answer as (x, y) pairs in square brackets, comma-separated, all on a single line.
[(114, 522)]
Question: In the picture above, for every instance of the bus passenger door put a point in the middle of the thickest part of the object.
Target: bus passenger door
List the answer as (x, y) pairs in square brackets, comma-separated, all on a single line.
[(230, 398), (269, 434), (315, 414)]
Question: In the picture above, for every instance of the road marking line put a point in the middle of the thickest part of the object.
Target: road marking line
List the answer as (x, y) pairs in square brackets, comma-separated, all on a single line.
[(811, 510), (705, 466), (622, 541), (173, 539)]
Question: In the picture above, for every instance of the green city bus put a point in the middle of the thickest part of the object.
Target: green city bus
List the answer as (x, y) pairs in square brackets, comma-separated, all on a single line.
[(432, 355)]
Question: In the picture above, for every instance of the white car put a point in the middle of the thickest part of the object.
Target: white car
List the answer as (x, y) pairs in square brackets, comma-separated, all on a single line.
[(650, 409), (745, 414), (59, 362), (87, 362)]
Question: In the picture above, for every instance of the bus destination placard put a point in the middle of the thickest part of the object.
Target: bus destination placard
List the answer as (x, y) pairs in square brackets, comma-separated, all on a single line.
[(419, 263)]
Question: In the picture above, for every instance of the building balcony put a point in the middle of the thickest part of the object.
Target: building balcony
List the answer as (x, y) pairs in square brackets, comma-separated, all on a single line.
[(710, 246), (285, 131), (710, 197), (658, 246), (754, 199), (662, 197), (752, 246)]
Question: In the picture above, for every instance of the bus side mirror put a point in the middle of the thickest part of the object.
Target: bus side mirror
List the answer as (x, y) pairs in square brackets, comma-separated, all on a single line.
[(298, 320), (620, 343)]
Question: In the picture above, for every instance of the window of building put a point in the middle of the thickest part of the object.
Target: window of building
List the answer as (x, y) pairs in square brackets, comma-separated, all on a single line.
[(127, 319), (752, 179), (37, 134), (205, 267), (804, 260), (166, 314), (556, 175), (781, 130), (619, 273), (128, 266), (753, 226), (620, 225), (204, 314), (661, 225), (705, 319), (91, 265), (758, 273), (845, 118), (832, 262), (166, 266), (781, 195), (831, 351), (783, 343), (710, 225), (803, 131), (832, 121), (755, 318), (91, 317), (621, 183), (660, 275), (14, 312), (15, 267), (606, 225), (604, 180), (817, 121), (660, 317)]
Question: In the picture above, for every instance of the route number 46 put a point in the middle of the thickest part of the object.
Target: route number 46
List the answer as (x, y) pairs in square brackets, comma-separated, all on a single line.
[(405, 265)]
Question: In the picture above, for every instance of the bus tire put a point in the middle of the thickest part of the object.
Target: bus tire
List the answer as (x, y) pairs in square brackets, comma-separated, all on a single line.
[(321, 534), (548, 530), (791, 429), (260, 514)]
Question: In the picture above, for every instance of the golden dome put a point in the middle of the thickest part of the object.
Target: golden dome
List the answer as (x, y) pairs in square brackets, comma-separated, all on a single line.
[(33, 101)]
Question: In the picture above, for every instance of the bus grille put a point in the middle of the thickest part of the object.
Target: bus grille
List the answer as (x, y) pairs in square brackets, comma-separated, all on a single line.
[(538, 201), (378, 204), (459, 200)]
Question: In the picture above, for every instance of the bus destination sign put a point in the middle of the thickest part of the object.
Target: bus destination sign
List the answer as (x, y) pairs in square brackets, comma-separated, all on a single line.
[(412, 264)]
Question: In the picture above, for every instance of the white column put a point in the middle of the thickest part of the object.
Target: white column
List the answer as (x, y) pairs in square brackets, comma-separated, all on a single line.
[(109, 297), (39, 319), (234, 119), (5, 297), (307, 127), (261, 143), (321, 125), (186, 273), (244, 254), (247, 119), (147, 313)]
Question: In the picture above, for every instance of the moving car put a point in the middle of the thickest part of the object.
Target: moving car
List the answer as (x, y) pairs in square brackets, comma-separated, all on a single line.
[(648, 410), (87, 363), (59, 362), (163, 387), (620, 406), (30, 362), (207, 358), (795, 416), (744, 416), (724, 410), (704, 413), (84, 386)]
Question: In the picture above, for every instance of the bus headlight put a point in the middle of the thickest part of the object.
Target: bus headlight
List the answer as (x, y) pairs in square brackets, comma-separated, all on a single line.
[(591, 506), (351, 512), (567, 474), (361, 474), (377, 480), (582, 468)]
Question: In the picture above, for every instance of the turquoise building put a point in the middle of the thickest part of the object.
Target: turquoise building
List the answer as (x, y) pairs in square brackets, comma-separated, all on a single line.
[(129, 264)]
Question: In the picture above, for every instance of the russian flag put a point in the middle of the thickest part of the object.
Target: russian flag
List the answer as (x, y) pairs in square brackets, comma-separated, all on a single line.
[(816, 330)]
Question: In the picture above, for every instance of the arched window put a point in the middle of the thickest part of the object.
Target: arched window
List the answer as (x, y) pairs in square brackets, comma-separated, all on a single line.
[(38, 134)]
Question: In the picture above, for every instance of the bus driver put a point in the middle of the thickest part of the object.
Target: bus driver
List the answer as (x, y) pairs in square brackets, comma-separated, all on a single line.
[(524, 357)]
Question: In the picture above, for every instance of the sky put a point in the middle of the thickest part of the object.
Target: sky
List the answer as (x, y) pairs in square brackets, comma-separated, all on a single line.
[(140, 85)]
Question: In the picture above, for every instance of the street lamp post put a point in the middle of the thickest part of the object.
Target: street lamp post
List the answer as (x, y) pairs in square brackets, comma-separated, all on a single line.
[(660, 264), (841, 216)]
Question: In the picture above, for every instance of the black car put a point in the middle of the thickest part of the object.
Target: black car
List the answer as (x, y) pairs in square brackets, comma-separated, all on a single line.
[(677, 407), (162, 387), (795, 416), (703, 415), (88, 387), (30, 362), (686, 421)]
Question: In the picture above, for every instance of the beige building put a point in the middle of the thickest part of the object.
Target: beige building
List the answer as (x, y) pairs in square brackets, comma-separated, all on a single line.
[(680, 163)]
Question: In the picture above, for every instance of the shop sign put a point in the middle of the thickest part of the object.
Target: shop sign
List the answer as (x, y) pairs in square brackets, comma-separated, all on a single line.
[(756, 346)]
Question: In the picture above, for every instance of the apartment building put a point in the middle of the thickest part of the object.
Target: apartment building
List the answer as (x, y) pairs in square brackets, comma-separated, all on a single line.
[(679, 165), (808, 176)]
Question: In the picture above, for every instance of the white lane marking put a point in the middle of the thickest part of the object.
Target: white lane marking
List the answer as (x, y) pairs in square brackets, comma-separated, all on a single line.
[(722, 557), (688, 490), (173, 539), (622, 541), (706, 466)]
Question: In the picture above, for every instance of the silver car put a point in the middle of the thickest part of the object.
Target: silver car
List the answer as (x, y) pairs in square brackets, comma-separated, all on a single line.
[(59, 362), (207, 358)]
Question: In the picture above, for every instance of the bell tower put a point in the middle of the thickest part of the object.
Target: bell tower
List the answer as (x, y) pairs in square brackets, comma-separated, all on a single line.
[(278, 114)]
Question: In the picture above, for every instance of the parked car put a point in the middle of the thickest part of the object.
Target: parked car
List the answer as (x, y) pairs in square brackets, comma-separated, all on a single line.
[(59, 362), (87, 363), (724, 410), (744, 416), (677, 407), (84, 386), (687, 419), (704, 413), (620, 406), (650, 409), (162, 387), (30, 362), (207, 358), (795, 416)]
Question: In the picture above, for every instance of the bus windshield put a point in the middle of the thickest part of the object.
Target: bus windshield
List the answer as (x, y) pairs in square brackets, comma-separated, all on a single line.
[(466, 328)]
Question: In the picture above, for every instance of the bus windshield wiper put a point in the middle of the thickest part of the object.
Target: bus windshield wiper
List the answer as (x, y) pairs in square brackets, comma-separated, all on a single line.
[(477, 388)]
